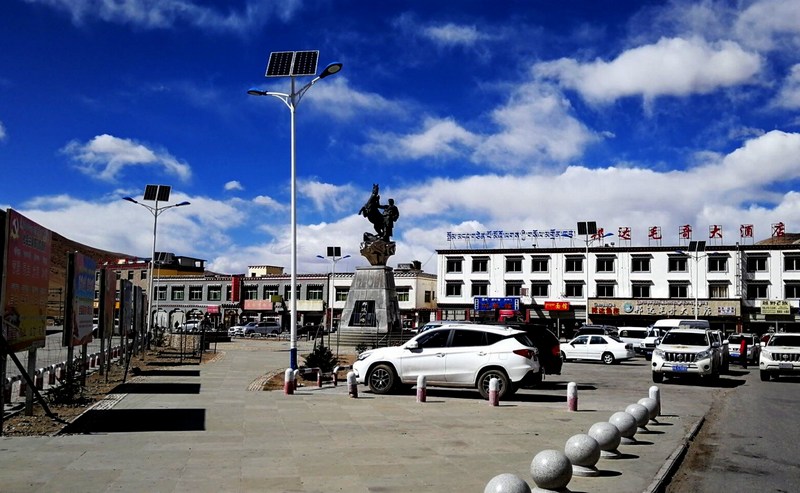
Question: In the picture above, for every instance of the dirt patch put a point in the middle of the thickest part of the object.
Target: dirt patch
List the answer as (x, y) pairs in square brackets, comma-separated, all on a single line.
[(275, 380), (98, 386)]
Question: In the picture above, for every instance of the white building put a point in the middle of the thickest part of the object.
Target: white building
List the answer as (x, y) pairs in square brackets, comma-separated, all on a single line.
[(750, 288)]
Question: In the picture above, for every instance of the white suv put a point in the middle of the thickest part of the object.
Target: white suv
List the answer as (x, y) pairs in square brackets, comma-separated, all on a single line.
[(686, 351), (781, 355), (454, 355)]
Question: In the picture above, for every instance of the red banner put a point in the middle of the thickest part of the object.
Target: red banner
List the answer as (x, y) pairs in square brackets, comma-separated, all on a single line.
[(557, 306)]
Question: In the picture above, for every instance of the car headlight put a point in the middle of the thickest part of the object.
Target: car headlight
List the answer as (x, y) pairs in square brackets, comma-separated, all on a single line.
[(658, 352), (766, 354), (364, 355), (704, 354)]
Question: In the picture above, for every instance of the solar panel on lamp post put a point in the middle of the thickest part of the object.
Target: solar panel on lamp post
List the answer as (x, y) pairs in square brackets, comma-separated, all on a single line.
[(294, 64), (157, 193)]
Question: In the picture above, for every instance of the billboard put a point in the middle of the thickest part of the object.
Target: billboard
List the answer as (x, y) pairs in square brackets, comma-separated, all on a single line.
[(80, 299), (26, 281)]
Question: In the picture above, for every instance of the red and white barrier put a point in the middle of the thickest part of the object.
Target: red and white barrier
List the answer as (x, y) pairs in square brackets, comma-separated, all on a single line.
[(288, 384), (494, 392), (352, 385), (572, 396), (422, 388)]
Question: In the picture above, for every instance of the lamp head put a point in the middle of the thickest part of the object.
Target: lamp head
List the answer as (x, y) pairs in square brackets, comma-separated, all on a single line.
[(346, 256), (185, 202), (331, 69), (256, 92), (320, 256), (130, 199)]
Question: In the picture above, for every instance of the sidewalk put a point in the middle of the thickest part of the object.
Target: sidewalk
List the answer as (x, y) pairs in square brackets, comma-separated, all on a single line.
[(198, 428)]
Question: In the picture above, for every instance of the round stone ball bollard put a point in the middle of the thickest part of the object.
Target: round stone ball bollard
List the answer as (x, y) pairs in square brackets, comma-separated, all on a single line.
[(551, 470), (642, 416), (652, 408), (608, 438), (506, 483), (626, 424), (583, 452)]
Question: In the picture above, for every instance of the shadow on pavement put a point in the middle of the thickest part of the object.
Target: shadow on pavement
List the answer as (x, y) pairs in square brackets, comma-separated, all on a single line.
[(168, 373), (157, 388), (137, 420)]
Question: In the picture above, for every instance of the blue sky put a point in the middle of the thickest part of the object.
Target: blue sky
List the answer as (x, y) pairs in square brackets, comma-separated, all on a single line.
[(473, 115)]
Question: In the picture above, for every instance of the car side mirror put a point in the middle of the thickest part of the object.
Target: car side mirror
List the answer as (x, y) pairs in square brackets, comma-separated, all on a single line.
[(658, 341), (412, 345), (715, 345)]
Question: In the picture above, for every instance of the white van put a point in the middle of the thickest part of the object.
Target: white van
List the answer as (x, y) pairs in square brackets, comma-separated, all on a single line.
[(632, 335)]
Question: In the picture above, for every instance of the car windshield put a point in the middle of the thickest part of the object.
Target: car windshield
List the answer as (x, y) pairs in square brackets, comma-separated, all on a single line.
[(785, 340), (685, 339)]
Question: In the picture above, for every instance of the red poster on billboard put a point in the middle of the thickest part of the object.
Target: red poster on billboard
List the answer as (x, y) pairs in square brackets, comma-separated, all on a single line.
[(26, 283), (80, 299)]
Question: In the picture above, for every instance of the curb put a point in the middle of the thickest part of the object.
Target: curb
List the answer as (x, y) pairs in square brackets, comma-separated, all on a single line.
[(675, 459)]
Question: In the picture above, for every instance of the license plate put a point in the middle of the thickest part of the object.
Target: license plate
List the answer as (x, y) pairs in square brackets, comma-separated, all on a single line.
[(679, 368), (785, 366), (734, 355)]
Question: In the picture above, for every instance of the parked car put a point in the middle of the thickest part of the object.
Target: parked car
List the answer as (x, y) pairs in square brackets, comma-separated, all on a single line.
[(686, 351), (238, 330), (633, 335), (781, 356), (262, 329), (753, 347), (438, 323), (596, 329), (648, 344), (546, 342), (606, 348), (454, 355)]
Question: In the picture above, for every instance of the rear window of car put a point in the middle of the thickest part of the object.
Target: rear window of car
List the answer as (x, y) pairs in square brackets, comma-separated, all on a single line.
[(525, 340)]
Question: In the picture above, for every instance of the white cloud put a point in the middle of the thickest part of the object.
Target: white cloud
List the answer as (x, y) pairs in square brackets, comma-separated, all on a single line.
[(438, 138), (164, 14), (770, 25), (3, 134), (670, 67), (269, 203), (453, 35), (328, 197), (789, 94), (105, 157), (233, 185)]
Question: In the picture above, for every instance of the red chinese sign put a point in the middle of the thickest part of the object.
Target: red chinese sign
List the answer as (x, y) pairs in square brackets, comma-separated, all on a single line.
[(779, 230), (746, 231), (654, 233), (715, 231), (624, 233), (556, 306), (685, 232)]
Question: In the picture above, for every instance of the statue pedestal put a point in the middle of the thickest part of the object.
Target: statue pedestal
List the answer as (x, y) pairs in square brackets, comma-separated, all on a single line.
[(371, 306)]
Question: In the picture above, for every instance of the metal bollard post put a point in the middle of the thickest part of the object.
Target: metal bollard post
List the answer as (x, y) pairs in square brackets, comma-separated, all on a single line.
[(288, 388), (295, 375), (23, 388), (655, 394), (494, 392), (319, 378), (51, 375), (38, 379), (422, 388), (352, 385), (7, 390), (572, 396)]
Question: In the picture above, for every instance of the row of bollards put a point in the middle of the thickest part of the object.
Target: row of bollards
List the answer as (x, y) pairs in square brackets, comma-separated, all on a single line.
[(552, 470)]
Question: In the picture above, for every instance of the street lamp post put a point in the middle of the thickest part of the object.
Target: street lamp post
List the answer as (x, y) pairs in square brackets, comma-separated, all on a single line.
[(291, 100), (694, 250), (334, 254), (587, 229), (155, 211)]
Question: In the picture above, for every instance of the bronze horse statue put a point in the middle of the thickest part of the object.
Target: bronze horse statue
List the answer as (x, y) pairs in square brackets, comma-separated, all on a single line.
[(371, 210)]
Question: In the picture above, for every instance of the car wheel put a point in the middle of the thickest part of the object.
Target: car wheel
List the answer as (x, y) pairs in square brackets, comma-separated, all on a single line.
[(563, 357), (503, 389), (381, 379), (764, 376), (658, 377), (608, 358)]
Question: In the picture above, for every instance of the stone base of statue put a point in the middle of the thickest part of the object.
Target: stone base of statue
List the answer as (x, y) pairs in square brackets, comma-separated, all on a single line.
[(371, 312)]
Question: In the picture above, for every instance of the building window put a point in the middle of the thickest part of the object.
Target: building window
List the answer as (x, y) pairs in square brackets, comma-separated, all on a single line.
[(792, 290), (161, 293), (480, 264), (513, 264), (130, 275), (341, 293), (228, 292), (195, 293), (314, 292), (118, 274), (251, 292), (717, 290), (573, 264), (757, 290), (791, 263), (640, 289), (678, 290), (676, 264), (605, 289), (480, 288), (573, 289), (717, 263), (540, 289), (177, 293), (605, 264), (453, 289), (287, 292), (270, 290), (214, 293), (756, 264), (640, 264), (143, 274), (540, 264), (403, 294), (428, 296), (453, 265), (513, 289)]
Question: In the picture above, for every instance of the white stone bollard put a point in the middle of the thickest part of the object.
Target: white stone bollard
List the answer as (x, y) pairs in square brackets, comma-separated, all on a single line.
[(642, 416), (507, 483), (494, 392), (652, 408), (608, 437), (422, 388), (572, 396), (551, 470), (655, 394), (288, 387), (583, 452), (295, 379), (352, 385)]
